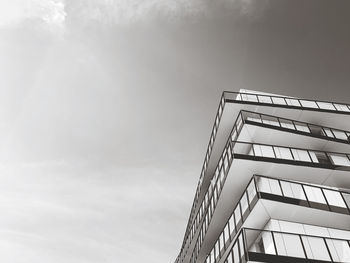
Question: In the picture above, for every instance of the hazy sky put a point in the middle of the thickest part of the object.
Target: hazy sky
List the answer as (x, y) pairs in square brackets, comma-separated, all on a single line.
[(106, 108)]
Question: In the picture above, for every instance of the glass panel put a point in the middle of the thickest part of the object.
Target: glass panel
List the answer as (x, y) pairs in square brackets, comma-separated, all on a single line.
[(251, 191), (309, 104), (232, 224), (237, 215), (287, 124), (267, 151), (263, 243), (264, 99), (302, 127), (301, 155), (334, 198), (316, 248), (263, 150), (235, 253), (293, 246), (270, 121), (275, 187), (316, 130), (339, 159), (277, 100), (293, 102), (281, 249), (341, 107), (229, 259), (339, 249), (322, 157), (328, 132), (340, 135), (293, 190), (325, 105), (346, 198), (244, 203), (314, 194), (283, 153), (263, 185)]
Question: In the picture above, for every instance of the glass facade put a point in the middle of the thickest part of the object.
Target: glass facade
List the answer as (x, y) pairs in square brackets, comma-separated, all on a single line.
[(236, 243)]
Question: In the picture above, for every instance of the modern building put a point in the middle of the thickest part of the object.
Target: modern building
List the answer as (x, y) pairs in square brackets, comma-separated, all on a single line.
[(275, 183)]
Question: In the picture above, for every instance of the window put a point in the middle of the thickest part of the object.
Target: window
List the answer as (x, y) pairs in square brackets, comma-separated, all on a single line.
[(289, 245), (283, 153), (325, 105), (293, 190), (264, 99), (340, 135), (251, 191), (287, 124), (270, 121), (263, 185), (301, 155), (263, 150), (244, 203), (334, 198), (293, 102), (237, 215), (231, 223), (278, 100), (264, 243), (328, 132), (302, 127), (339, 159), (315, 248), (314, 194), (341, 107), (308, 104), (339, 250)]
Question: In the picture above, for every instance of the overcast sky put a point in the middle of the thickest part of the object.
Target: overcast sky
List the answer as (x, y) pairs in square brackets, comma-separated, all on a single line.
[(106, 108)]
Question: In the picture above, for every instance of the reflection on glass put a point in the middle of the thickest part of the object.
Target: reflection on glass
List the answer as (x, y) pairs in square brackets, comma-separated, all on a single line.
[(339, 159), (315, 248), (293, 190), (314, 194)]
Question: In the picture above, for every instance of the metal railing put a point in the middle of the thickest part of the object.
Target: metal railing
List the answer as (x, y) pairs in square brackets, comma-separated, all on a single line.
[(284, 153), (296, 126), (263, 244), (284, 101)]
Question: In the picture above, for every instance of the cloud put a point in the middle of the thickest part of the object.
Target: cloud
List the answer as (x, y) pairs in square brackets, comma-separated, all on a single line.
[(49, 12), (53, 13), (123, 12)]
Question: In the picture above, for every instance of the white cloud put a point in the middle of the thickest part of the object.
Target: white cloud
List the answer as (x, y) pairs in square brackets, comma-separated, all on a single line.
[(50, 12)]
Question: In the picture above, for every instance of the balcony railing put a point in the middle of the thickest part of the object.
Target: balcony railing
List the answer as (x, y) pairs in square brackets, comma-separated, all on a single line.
[(301, 156), (289, 102), (269, 246), (204, 169), (286, 191), (296, 126)]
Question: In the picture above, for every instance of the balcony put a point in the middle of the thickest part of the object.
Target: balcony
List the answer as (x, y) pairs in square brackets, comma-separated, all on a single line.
[(254, 245), (284, 191)]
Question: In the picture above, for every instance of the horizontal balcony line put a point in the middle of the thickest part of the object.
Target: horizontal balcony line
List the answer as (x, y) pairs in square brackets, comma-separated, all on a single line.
[(286, 102), (290, 155), (298, 127), (278, 246)]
